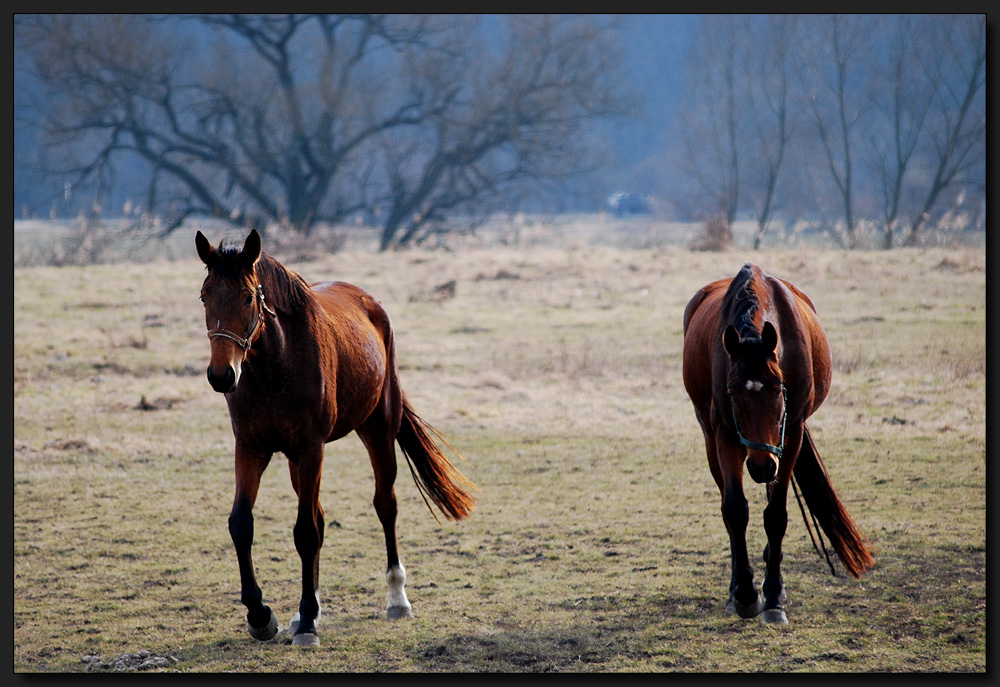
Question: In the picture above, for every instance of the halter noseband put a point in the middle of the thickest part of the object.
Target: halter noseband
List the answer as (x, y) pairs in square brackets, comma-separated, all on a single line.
[(244, 342), (776, 450)]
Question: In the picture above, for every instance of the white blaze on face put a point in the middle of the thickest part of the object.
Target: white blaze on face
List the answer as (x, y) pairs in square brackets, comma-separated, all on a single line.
[(753, 385)]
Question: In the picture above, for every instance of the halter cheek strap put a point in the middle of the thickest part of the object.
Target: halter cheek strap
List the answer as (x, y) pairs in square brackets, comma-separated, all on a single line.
[(770, 448), (245, 342)]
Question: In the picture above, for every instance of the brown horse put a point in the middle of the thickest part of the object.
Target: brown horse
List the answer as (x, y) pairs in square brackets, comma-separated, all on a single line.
[(302, 365), (757, 364)]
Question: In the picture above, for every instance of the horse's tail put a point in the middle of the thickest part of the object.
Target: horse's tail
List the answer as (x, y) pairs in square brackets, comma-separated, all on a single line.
[(436, 478), (814, 481)]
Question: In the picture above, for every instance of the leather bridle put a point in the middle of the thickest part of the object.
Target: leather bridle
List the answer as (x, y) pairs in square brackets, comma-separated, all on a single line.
[(246, 341)]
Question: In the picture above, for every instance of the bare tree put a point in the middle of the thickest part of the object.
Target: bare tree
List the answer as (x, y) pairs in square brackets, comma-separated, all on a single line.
[(714, 133), (770, 102), (956, 151), (502, 122), (837, 102), (244, 140), (928, 140), (850, 119), (902, 107), (738, 119), (300, 119)]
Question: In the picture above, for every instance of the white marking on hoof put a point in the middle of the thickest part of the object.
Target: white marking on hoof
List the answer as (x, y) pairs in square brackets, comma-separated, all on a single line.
[(293, 624), (398, 605)]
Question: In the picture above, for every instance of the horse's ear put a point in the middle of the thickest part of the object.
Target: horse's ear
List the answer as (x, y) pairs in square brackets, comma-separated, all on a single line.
[(251, 249), (205, 249), (769, 337), (731, 340)]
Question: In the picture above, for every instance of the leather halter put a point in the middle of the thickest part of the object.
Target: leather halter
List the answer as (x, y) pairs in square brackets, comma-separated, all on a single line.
[(245, 342), (770, 448)]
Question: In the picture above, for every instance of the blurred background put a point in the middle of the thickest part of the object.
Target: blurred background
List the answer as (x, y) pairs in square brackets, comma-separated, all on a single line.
[(867, 129)]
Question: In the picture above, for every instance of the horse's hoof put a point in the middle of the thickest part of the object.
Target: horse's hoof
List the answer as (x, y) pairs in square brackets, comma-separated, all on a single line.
[(774, 616), (306, 639), (735, 607), (265, 633), (293, 624), (397, 612)]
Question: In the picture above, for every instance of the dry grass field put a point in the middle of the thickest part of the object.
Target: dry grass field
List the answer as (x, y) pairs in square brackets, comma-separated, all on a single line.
[(597, 543)]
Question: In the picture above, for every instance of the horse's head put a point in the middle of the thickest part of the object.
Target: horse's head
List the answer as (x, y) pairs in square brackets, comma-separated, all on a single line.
[(757, 393), (234, 306)]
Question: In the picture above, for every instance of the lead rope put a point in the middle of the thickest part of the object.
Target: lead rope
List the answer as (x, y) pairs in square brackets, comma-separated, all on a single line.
[(819, 533)]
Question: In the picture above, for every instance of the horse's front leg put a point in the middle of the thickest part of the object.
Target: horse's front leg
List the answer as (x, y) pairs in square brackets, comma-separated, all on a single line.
[(744, 599), (308, 534), (250, 466), (775, 525)]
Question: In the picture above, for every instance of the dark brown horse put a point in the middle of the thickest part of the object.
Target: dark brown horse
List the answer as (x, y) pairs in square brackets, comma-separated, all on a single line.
[(756, 365), (302, 365)]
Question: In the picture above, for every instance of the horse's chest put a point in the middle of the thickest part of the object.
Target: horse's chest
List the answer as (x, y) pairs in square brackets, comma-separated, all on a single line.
[(278, 419)]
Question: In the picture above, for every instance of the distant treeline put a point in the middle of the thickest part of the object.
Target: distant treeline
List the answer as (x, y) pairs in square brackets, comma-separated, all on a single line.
[(856, 124)]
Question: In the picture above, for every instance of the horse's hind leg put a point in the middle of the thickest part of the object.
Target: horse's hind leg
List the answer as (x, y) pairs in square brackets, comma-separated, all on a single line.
[(308, 534), (250, 466), (380, 443)]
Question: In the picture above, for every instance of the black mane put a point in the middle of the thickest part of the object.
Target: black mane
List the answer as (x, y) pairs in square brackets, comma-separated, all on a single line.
[(284, 290), (740, 303)]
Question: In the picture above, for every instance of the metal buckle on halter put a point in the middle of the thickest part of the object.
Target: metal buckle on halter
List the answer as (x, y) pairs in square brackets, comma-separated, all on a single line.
[(770, 448)]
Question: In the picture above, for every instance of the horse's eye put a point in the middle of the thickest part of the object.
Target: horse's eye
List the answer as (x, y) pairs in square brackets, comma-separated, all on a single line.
[(202, 298), (248, 300)]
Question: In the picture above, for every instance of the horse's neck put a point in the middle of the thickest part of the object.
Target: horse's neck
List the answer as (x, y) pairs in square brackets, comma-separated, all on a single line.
[(288, 337), (272, 349)]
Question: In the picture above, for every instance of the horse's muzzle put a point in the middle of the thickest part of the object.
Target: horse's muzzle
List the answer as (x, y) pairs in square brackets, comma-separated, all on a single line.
[(762, 467), (224, 383)]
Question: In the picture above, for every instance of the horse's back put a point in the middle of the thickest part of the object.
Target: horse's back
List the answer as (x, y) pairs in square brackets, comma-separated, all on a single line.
[(808, 359), (337, 292), (802, 298), (817, 356), (349, 304), (712, 293), (702, 317), (703, 327)]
